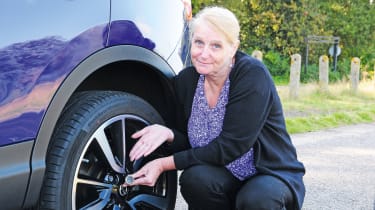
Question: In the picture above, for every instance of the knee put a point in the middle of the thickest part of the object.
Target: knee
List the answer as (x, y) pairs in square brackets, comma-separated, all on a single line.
[(199, 179), (256, 201), (189, 181), (264, 192), (209, 187), (192, 180)]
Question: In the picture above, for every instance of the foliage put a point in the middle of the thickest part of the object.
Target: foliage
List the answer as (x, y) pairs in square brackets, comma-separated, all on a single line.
[(276, 63), (279, 29), (310, 74)]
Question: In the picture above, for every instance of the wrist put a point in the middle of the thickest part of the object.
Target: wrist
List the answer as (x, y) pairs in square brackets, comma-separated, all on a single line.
[(167, 163)]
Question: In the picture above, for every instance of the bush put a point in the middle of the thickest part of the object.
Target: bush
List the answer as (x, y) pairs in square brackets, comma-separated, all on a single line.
[(276, 63), (311, 74)]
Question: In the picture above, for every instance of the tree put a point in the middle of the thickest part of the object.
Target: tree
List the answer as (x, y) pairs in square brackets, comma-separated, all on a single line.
[(280, 27)]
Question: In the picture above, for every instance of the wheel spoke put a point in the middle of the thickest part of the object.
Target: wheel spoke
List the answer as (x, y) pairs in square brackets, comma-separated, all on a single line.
[(101, 202), (158, 202), (93, 183), (102, 140), (116, 207), (104, 193), (123, 127)]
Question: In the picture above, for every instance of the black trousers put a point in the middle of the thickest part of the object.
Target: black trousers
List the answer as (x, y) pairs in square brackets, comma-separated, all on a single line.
[(208, 187)]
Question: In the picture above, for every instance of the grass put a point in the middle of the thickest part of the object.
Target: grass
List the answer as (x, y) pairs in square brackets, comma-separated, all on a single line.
[(315, 110)]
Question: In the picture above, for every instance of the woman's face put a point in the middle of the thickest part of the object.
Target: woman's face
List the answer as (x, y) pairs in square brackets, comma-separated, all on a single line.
[(211, 53)]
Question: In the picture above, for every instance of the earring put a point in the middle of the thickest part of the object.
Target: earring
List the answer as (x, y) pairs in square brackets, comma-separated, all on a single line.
[(231, 63)]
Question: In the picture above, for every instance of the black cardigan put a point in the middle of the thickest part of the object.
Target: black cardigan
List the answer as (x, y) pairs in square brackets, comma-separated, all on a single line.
[(253, 118)]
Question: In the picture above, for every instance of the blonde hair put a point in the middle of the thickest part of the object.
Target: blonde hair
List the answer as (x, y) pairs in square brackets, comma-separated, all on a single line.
[(221, 19)]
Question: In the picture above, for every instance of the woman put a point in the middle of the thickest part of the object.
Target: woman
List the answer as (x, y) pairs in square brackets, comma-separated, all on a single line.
[(231, 140)]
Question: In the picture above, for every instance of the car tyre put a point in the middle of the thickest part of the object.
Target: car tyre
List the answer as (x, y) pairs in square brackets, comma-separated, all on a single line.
[(88, 160)]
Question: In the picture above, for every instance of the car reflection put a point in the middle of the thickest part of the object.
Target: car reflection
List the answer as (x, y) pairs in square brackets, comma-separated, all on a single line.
[(32, 71)]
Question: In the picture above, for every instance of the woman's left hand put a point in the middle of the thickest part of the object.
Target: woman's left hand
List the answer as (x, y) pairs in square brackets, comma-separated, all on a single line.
[(149, 139)]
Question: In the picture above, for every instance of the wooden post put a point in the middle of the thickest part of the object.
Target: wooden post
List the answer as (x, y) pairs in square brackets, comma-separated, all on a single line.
[(295, 75), (323, 73), (364, 76), (354, 74), (258, 55)]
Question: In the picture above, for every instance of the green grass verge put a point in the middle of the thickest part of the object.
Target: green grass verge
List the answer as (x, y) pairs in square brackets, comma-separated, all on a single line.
[(314, 110)]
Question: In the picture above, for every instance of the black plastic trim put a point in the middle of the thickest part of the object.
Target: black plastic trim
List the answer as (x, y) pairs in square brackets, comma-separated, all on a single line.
[(14, 173)]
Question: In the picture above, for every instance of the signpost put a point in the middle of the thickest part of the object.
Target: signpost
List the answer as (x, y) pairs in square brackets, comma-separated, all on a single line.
[(334, 52)]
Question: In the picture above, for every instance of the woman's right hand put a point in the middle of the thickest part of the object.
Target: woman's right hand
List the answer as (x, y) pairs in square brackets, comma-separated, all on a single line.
[(149, 139)]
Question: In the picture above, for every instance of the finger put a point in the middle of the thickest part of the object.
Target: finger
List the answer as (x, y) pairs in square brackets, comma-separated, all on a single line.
[(149, 150), (141, 141), (139, 133), (135, 154), (138, 174), (144, 151), (142, 181), (139, 150), (141, 178), (137, 147), (133, 183), (133, 176)]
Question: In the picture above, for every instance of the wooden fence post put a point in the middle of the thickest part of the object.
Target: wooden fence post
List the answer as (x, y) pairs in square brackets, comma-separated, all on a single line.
[(354, 74), (323, 73), (295, 75)]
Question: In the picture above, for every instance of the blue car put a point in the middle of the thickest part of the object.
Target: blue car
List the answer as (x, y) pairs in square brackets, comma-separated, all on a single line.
[(77, 78)]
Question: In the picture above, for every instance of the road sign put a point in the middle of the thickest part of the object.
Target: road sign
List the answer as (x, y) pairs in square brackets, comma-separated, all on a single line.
[(331, 50)]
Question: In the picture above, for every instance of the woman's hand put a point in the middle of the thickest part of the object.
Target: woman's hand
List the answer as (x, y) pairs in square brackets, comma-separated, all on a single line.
[(150, 138), (149, 173)]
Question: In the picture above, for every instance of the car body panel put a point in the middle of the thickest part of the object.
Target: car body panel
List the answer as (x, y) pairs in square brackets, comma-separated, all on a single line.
[(166, 31), (48, 49), (37, 52), (42, 63)]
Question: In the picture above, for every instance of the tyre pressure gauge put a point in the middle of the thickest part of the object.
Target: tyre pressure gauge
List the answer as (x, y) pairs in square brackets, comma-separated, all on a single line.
[(129, 179)]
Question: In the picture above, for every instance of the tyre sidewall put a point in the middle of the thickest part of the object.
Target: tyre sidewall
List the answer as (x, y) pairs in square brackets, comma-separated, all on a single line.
[(99, 107)]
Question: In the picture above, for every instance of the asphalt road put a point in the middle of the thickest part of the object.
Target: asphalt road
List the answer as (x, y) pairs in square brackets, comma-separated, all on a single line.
[(340, 168)]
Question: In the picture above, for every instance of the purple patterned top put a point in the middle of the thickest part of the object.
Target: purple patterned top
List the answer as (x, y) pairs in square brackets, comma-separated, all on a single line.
[(206, 123)]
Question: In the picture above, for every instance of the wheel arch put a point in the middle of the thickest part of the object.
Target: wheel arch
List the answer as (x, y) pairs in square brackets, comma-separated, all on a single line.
[(126, 68)]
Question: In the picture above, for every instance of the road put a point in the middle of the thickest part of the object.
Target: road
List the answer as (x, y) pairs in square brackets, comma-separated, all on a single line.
[(340, 168)]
